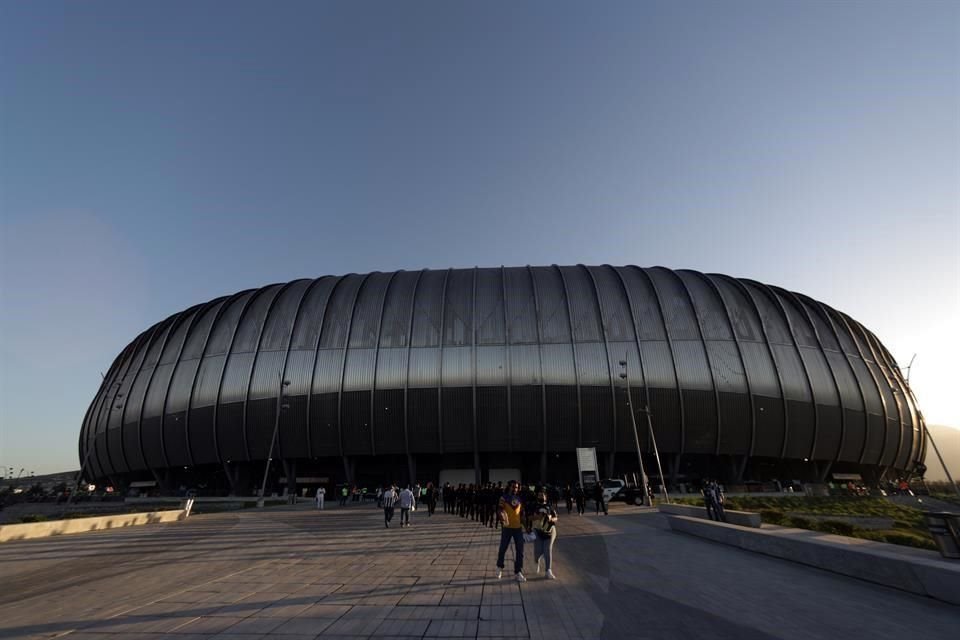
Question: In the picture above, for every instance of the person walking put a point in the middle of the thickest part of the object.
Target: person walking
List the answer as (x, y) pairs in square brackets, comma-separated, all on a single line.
[(389, 499), (511, 515), (707, 491), (568, 497), (321, 493), (598, 501), (581, 497), (431, 499), (344, 491), (545, 529), (716, 496), (407, 502)]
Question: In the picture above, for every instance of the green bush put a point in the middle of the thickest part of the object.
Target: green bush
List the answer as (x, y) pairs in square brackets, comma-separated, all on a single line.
[(797, 522), (33, 517), (905, 538), (771, 516), (836, 527)]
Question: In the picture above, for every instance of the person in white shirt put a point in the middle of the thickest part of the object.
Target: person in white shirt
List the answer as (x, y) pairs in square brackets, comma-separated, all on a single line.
[(321, 494), (407, 501), (388, 499)]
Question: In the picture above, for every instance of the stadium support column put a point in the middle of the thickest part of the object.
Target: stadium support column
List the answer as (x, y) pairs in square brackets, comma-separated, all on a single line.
[(290, 470), (412, 468), (231, 477), (162, 477), (675, 469), (348, 469), (825, 471), (743, 468), (611, 459), (119, 486)]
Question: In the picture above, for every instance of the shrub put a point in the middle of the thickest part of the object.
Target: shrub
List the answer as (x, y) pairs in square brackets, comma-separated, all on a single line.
[(32, 517), (837, 527), (797, 522), (903, 538), (771, 516)]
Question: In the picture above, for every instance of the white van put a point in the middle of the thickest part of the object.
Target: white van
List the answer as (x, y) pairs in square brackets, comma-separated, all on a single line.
[(611, 487)]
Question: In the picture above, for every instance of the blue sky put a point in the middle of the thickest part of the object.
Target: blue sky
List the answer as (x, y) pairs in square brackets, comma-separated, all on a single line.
[(155, 155)]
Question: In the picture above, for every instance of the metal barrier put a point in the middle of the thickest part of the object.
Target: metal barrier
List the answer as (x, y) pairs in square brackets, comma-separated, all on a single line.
[(945, 529)]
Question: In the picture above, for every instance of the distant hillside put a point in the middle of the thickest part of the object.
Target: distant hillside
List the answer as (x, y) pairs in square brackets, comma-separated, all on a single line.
[(948, 441)]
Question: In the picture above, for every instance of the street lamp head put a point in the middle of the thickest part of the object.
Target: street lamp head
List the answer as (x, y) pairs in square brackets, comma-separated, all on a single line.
[(623, 376), (623, 363)]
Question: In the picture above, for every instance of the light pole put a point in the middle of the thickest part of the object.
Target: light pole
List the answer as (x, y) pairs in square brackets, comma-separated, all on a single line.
[(653, 438), (636, 438), (943, 464), (273, 440), (926, 431), (656, 452)]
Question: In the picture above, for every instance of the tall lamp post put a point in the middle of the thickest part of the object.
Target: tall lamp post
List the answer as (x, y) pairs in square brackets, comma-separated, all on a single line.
[(653, 438), (656, 452), (276, 427), (926, 432), (644, 481)]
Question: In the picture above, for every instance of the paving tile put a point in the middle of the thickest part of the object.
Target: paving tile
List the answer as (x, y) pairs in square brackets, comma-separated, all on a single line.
[(424, 597), (502, 629), (308, 626), (324, 610), (286, 608), (462, 595), (415, 628), (255, 626), (328, 575), (206, 625), (139, 624), (452, 629)]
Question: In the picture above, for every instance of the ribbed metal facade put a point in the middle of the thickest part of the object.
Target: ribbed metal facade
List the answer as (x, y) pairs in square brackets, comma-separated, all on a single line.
[(520, 359)]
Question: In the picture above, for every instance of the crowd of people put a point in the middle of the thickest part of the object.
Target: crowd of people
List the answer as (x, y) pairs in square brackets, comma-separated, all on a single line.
[(713, 500), (523, 515)]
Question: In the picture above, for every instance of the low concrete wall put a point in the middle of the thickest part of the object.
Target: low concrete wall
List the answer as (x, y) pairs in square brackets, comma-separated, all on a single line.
[(742, 518), (921, 572), (80, 525)]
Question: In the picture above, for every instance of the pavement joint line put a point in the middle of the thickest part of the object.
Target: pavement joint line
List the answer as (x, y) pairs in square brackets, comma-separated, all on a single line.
[(181, 591), (135, 563), (604, 589)]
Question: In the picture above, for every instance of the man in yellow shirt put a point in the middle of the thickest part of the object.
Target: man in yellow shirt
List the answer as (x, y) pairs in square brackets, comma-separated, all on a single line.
[(510, 512)]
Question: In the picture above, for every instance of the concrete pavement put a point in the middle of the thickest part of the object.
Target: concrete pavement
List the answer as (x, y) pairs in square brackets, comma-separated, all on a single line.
[(297, 574)]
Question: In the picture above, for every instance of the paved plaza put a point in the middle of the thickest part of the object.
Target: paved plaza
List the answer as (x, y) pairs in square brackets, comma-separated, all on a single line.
[(298, 574)]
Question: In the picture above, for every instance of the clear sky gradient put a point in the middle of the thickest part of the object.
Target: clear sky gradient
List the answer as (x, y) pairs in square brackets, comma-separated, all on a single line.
[(156, 155)]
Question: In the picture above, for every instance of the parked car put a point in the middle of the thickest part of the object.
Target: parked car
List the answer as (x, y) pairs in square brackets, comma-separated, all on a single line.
[(611, 487)]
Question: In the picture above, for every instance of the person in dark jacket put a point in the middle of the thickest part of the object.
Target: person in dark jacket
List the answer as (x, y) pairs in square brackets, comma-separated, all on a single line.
[(581, 498), (545, 529), (431, 498), (599, 503), (568, 497)]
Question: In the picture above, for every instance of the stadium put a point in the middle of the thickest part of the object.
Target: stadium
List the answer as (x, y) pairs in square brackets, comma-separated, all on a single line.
[(477, 374)]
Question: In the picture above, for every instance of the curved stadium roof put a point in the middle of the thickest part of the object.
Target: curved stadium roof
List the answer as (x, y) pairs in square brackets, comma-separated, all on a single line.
[(497, 359)]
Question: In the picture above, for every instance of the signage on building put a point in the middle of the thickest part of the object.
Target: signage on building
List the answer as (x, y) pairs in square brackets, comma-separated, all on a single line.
[(587, 465)]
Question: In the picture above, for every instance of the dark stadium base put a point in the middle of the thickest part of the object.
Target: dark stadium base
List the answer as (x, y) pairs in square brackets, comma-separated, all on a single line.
[(684, 470)]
